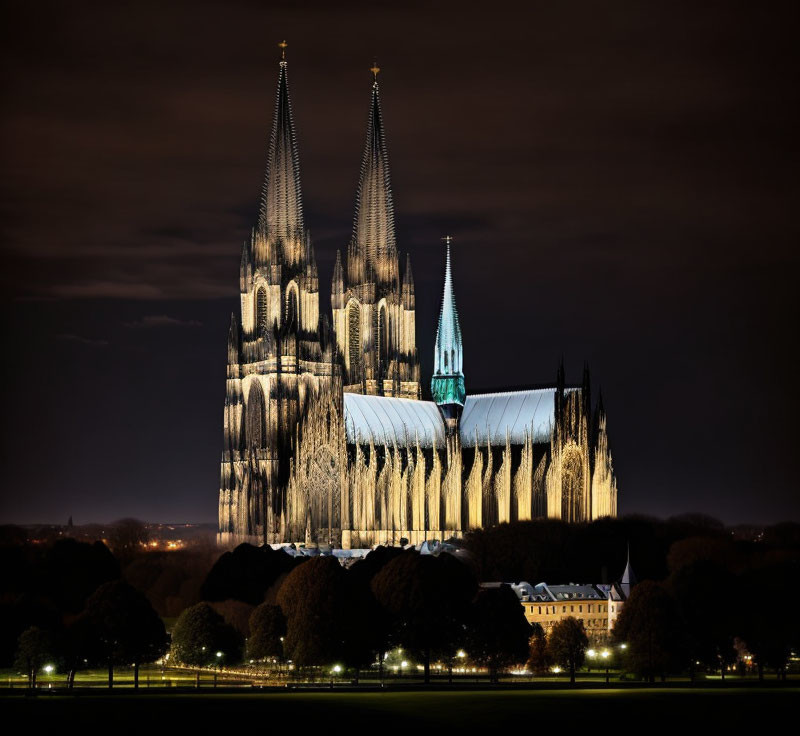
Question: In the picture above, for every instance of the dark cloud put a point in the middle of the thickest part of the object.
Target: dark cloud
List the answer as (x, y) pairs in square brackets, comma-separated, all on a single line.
[(620, 180), (162, 320), (95, 343)]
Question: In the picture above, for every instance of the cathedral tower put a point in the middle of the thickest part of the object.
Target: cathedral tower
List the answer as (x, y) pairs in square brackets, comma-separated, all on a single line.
[(277, 356), (373, 310), (447, 384)]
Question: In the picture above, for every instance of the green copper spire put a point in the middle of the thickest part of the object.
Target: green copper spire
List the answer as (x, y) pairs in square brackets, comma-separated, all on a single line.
[(447, 384)]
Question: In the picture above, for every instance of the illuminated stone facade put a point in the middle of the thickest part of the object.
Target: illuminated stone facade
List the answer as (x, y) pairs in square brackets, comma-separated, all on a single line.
[(326, 438)]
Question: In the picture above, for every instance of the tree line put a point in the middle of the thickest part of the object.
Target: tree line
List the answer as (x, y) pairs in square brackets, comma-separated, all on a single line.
[(710, 594)]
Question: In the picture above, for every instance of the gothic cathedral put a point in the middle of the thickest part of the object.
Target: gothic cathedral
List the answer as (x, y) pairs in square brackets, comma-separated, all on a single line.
[(326, 437)]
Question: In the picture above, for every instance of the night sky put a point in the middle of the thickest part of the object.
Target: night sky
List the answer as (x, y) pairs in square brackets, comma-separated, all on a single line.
[(621, 180)]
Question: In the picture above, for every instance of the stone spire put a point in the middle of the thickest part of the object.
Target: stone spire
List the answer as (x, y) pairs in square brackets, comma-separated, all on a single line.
[(447, 384), (373, 225), (280, 218)]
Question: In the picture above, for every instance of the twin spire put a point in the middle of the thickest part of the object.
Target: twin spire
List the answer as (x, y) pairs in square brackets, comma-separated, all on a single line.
[(280, 217), (373, 242)]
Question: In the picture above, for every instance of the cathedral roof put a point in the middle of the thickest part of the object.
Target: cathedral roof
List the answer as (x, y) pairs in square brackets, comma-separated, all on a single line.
[(386, 420), (517, 414)]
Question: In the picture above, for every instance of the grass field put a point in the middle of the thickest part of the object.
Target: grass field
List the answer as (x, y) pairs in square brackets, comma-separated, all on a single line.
[(678, 707)]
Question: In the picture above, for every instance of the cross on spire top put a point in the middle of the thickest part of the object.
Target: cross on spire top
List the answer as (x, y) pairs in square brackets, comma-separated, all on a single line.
[(282, 46), (375, 69)]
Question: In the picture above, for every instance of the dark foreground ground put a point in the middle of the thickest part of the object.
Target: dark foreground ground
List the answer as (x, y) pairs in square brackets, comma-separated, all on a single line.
[(334, 712)]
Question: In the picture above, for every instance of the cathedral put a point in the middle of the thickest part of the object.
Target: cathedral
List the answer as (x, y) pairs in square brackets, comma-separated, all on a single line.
[(327, 439)]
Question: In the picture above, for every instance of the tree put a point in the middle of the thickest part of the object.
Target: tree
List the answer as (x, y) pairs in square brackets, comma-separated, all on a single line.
[(128, 537), (247, 573), (426, 600), (34, 648), (199, 633), (539, 660), (125, 628), (72, 571), (327, 616), (267, 632), (650, 627), (707, 617), (498, 633), (567, 644), (770, 631)]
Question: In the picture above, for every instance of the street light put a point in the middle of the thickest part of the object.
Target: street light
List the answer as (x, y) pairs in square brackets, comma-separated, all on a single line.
[(605, 654), (216, 669)]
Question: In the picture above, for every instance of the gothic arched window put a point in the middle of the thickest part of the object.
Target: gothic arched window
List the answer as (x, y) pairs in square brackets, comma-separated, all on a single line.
[(354, 334), (291, 308), (256, 413), (572, 485), (261, 311)]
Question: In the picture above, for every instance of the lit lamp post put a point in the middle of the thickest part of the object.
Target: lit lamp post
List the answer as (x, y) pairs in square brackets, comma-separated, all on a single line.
[(605, 654), (219, 662), (591, 654)]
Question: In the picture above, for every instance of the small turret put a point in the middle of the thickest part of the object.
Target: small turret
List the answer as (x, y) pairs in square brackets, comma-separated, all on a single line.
[(233, 341), (628, 577), (337, 283), (408, 285)]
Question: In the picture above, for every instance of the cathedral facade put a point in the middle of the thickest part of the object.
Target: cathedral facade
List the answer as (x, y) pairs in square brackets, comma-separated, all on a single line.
[(326, 437)]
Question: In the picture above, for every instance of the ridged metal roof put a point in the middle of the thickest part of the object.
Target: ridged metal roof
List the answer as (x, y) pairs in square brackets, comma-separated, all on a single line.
[(387, 420), (516, 413)]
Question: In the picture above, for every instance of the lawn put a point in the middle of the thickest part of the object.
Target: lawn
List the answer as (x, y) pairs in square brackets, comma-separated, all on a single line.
[(680, 707)]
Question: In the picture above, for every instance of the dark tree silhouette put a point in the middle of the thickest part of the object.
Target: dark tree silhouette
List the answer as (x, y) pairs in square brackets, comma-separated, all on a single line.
[(539, 660), (73, 570), (327, 617), (199, 633), (125, 628), (497, 632), (567, 643), (770, 629), (127, 538), (708, 620), (34, 648), (246, 574), (267, 632), (426, 600), (650, 627)]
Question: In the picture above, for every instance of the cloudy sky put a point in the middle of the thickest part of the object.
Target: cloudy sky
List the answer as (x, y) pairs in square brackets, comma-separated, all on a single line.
[(620, 179)]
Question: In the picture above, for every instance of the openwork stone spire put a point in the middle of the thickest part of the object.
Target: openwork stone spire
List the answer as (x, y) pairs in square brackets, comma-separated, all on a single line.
[(280, 218), (447, 384), (373, 226)]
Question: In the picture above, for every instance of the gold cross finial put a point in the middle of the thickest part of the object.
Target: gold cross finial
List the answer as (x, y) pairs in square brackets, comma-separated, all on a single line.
[(375, 69), (448, 239), (282, 46)]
